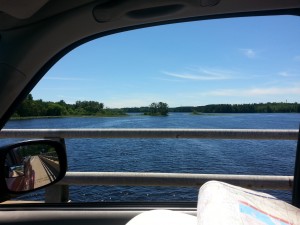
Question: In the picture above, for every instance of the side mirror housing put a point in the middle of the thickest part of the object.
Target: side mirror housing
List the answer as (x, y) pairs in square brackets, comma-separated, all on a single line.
[(30, 165)]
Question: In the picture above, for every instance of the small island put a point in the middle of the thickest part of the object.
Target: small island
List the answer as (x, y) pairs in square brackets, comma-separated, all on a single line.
[(157, 109)]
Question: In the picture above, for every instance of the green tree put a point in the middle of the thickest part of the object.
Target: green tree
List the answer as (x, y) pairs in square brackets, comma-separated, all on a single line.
[(158, 109), (163, 108), (27, 108), (153, 109), (55, 109), (88, 107), (29, 97)]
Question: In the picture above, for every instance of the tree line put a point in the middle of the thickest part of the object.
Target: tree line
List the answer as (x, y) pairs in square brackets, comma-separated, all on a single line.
[(230, 108), (40, 108), (250, 108)]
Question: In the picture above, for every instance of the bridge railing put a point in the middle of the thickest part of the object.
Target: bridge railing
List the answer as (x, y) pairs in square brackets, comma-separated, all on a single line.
[(59, 192)]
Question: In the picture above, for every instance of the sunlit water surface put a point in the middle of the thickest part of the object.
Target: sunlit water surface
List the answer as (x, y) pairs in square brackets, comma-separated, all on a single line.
[(168, 155)]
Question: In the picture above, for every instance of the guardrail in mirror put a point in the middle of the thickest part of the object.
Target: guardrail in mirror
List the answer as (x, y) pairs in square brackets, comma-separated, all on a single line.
[(30, 165)]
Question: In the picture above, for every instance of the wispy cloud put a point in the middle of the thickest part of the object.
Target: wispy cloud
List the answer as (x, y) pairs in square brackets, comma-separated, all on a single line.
[(126, 103), (142, 100), (254, 92), (297, 58), (136, 99), (202, 74), (165, 79), (248, 52), (284, 74), (58, 89), (71, 97), (67, 79), (287, 74)]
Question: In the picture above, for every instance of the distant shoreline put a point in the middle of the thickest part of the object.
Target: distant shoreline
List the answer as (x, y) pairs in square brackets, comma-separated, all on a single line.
[(141, 114), (31, 108), (69, 116)]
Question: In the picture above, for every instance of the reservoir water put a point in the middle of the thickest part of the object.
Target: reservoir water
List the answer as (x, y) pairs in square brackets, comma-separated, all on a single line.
[(167, 155)]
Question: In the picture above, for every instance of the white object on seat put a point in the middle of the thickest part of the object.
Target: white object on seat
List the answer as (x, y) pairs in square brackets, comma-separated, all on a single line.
[(223, 204), (163, 217)]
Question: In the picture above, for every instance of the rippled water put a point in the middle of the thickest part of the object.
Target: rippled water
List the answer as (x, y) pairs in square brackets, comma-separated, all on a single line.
[(168, 155)]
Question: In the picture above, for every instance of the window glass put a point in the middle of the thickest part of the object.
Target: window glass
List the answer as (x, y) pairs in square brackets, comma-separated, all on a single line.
[(240, 73)]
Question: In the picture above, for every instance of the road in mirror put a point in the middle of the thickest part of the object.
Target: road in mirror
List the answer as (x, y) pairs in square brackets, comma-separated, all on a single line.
[(31, 166)]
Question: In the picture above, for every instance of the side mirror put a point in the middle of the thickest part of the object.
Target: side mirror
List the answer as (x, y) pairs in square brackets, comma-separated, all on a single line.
[(30, 165)]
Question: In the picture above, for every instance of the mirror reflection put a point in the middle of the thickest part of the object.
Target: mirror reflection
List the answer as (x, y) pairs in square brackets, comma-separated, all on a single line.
[(31, 166)]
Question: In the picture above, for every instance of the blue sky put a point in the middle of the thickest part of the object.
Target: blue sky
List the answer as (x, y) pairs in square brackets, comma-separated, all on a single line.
[(245, 60)]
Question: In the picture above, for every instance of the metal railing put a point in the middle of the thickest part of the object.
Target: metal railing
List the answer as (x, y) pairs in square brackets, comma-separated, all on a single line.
[(59, 192), (257, 134)]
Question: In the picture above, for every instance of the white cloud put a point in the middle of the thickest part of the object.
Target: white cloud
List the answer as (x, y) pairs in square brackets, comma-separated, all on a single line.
[(202, 74), (67, 78), (58, 89), (297, 58), (165, 79), (254, 92), (284, 74), (248, 52), (287, 74), (132, 100), (125, 103), (71, 99)]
